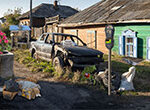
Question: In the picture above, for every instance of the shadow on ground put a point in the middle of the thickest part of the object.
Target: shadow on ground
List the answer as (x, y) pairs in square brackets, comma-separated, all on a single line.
[(64, 96)]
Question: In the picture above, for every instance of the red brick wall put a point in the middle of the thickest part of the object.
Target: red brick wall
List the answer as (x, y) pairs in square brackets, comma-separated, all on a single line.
[(82, 33)]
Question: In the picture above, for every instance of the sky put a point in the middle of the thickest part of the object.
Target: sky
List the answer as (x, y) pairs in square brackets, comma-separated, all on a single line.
[(25, 4)]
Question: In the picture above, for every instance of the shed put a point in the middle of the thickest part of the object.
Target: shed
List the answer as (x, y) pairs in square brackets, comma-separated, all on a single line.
[(19, 35), (41, 14)]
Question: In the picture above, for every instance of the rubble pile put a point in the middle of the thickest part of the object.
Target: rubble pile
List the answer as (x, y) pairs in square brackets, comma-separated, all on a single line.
[(119, 83), (27, 88)]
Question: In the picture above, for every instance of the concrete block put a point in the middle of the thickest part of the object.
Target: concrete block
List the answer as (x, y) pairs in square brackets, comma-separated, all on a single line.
[(6, 65)]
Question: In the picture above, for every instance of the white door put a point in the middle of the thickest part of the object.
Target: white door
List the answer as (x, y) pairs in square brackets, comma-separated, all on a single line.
[(148, 48)]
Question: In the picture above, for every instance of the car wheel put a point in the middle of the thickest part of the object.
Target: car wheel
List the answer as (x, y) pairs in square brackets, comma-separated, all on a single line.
[(58, 64), (34, 55)]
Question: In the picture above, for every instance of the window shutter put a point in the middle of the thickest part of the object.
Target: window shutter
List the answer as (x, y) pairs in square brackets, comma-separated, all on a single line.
[(135, 47), (148, 48), (121, 45)]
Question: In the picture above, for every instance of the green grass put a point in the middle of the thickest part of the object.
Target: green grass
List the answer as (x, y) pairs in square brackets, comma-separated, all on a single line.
[(141, 80), (23, 57)]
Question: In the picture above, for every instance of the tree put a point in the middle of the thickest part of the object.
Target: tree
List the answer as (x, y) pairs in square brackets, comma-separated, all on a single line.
[(11, 17)]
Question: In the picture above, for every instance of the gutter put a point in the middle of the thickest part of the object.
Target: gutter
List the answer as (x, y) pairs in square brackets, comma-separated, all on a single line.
[(103, 23), (84, 24)]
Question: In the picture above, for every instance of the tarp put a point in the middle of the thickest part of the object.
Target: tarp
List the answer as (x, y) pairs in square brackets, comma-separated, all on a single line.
[(19, 28)]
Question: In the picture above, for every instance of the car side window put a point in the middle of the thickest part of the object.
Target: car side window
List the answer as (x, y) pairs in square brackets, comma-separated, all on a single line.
[(58, 38), (49, 39), (43, 37)]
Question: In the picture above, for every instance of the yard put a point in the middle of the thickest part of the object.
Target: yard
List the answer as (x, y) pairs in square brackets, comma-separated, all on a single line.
[(141, 81), (69, 92)]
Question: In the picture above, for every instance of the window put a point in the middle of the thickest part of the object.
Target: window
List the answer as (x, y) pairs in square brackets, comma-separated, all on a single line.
[(43, 37), (91, 39), (129, 46), (128, 43), (49, 39), (60, 39)]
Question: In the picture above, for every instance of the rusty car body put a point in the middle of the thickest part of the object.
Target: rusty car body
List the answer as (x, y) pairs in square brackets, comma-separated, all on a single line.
[(65, 50)]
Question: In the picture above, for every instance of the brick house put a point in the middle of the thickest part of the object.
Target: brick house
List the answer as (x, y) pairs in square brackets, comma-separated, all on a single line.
[(130, 18), (46, 17)]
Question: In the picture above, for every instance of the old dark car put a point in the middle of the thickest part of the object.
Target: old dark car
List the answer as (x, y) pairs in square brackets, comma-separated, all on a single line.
[(64, 50)]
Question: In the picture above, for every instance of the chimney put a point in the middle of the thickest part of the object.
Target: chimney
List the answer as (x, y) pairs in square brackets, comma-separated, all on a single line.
[(55, 4)]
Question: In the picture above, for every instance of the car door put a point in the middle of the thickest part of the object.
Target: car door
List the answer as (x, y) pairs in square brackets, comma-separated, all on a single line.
[(47, 47), (40, 46)]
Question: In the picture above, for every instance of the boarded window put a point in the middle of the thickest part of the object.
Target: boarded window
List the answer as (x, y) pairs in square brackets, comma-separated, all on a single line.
[(91, 39)]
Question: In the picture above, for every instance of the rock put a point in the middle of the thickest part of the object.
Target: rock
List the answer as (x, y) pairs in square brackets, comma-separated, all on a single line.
[(9, 95), (102, 76), (2, 81), (11, 86)]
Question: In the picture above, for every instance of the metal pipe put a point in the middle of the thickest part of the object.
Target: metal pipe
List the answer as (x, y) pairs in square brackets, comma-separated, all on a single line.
[(109, 73)]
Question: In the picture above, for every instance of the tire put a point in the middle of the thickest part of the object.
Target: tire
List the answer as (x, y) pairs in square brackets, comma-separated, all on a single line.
[(58, 64), (34, 55)]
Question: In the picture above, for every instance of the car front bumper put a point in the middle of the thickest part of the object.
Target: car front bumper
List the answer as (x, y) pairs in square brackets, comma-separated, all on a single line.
[(84, 61)]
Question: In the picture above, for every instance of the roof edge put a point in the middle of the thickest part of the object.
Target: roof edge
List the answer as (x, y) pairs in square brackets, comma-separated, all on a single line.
[(103, 23)]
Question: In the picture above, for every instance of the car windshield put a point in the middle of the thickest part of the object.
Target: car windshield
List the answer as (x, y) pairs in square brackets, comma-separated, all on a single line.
[(68, 40)]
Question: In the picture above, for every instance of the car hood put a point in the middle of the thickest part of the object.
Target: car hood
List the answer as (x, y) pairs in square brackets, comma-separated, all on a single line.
[(82, 51)]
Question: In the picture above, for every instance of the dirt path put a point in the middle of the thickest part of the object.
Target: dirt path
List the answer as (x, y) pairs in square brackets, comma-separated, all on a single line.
[(64, 96), (21, 71)]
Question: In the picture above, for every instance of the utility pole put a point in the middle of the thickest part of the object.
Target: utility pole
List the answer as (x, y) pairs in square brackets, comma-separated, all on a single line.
[(30, 32)]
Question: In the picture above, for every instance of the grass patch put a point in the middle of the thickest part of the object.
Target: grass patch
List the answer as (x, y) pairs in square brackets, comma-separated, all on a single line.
[(141, 80), (23, 57)]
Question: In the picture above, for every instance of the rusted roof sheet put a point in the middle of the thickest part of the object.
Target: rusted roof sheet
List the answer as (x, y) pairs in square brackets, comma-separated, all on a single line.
[(48, 10), (112, 11)]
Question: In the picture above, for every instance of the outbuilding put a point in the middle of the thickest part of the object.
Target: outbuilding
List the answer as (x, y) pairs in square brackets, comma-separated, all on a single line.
[(46, 17)]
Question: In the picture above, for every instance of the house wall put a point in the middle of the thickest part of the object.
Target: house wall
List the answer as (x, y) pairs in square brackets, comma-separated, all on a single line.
[(52, 28), (143, 31), (38, 26), (25, 22), (36, 22), (82, 34)]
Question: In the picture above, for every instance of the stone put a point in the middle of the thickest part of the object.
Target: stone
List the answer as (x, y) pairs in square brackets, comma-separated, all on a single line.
[(6, 65), (8, 95), (11, 86)]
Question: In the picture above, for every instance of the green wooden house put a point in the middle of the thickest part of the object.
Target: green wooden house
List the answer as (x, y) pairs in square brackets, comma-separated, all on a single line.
[(132, 40), (132, 27)]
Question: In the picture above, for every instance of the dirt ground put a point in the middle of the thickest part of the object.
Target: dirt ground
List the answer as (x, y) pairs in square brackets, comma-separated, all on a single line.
[(64, 96)]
